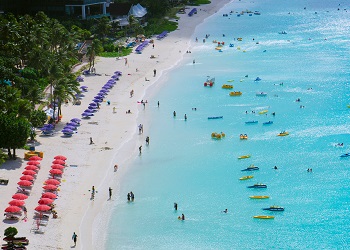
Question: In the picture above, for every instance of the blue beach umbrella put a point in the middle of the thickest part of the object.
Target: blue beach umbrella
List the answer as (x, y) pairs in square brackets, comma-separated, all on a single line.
[(87, 114), (93, 104), (97, 100), (77, 120), (74, 124), (88, 111), (70, 127)]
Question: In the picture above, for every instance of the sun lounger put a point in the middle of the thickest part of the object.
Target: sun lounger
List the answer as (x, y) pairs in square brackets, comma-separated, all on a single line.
[(11, 217), (17, 240), (193, 11)]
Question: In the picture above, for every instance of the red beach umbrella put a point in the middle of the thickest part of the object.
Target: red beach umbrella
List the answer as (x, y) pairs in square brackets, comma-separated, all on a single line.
[(43, 208), (50, 187), (19, 196), (60, 157), (45, 201), (57, 166), (33, 163), (26, 177), (35, 158), (59, 162), (56, 171), (31, 167), (25, 183), (52, 182), (17, 203), (29, 172), (49, 195), (12, 209)]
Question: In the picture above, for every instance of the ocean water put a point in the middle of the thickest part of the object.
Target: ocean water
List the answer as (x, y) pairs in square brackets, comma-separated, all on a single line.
[(184, 164)]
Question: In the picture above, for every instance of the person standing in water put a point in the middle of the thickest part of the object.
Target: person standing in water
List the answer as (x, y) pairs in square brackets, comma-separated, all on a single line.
[(185, 117), (175, 206)]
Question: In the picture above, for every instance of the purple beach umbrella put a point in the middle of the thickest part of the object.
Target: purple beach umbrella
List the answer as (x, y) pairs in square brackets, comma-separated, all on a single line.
[(93, 104), (70, 127), (97, 100), (87, 114), (75, 120), (72, 124), (88, 111)]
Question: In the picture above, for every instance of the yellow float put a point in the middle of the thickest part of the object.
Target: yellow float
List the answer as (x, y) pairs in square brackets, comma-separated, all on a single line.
[(283, 133), (259, 197), (243, 157), (246, 177), (263, 112), (227, 86), (215, 135), (235, 93), (243, 137)]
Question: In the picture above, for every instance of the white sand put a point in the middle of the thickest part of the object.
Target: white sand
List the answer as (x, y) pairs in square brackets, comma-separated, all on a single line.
[(115, 141)]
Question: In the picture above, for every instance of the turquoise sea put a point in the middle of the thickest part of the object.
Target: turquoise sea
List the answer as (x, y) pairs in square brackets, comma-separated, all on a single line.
[(184, 164)]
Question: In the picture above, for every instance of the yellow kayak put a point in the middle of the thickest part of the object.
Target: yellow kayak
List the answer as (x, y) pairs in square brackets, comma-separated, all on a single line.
[(246, 177), (263, 112), (244, 157), (285, 133), (263, 217), (235, 93), (259, 197), (227, 86)]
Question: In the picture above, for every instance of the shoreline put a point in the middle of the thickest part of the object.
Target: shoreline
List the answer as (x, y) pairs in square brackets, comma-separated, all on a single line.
[(115, 138)]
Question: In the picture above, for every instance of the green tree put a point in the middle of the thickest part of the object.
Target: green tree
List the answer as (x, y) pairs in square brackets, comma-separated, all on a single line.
[(37, 118), (92, 51), (14, 132), (10, 232)]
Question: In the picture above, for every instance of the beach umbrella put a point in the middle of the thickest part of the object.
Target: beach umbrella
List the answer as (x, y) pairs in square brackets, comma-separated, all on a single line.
[(77, 120), (25, 183), (68, 131), (46, 129), (96, 100), (88, 111), (49, 195), (42, 208), (19, 196), (52, 182), (57, 166), (93, 108), (17, 203), (29, 172), (58, 161), (50, 187), (12, 209), (60, 157), (45, 201), (85, 114), (35, 158), (84, 87), (93, 104), (26, 177), (33, 163), (31, 167), (56, 171), (103, 91), (69, 127), (75, 124)]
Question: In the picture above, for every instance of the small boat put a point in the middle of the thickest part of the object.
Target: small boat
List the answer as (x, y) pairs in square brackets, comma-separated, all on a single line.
[(243, 137), (283, 133), (227, 86), (274, 208), (345, 155), (251, 122), (261, 94), (215, 135), (235, 93), (247, 177), (244, 157), (263, 217), (250, 168), (215, 117), (258, 185), (257, 13), (268, 123), (209, 82), (263, 112), (282, 33), (259, 197)]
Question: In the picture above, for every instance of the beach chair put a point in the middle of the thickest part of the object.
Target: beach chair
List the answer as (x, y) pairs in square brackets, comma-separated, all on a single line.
[(4, 181)]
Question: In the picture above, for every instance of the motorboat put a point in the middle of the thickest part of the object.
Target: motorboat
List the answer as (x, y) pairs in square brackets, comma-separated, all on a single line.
[(283, 133), (258, 185), (243, 137), (274, 208), (345, 155), (251, 168), (244, 157), (261, 94), (235, 93), (251, 122), (215, 117), (227, 86), (259, 197), (268, 123), (263, 217), (247, 177)]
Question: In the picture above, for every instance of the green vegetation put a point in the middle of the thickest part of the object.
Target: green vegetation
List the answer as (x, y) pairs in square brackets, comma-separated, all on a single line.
[(199, 2)]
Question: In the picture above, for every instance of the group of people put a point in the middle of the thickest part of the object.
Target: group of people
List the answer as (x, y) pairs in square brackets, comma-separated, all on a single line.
[(130, 196)]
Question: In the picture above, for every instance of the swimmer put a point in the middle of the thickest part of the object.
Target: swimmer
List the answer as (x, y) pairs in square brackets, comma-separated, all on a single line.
[(275, 167), (225, 211), (174, 113)]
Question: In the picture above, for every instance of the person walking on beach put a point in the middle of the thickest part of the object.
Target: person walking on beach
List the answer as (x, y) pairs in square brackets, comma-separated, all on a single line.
[(115, 168), (140, 149), (74, 238), (110, 192), (154, 72), (132, 196), (140, 128), (147, 140), (91, 141)]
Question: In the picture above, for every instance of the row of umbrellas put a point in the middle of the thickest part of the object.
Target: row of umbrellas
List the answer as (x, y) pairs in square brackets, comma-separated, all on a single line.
[(71, 127), (26, 180)]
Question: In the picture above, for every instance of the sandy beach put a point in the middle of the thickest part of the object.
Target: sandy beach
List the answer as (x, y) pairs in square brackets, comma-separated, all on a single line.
[(116, 141)]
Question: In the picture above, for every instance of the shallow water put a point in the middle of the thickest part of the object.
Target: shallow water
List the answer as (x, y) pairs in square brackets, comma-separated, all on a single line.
[(183, 164)]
